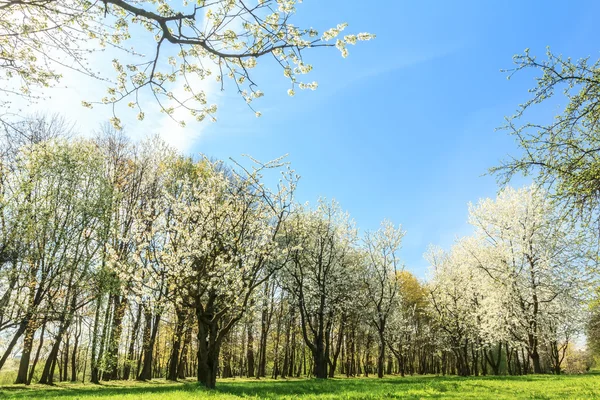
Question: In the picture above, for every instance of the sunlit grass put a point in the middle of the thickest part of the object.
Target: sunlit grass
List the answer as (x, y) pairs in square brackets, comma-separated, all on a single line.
[(428, 387)]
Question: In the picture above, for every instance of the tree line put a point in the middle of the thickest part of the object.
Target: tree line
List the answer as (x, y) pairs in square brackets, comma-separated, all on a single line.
[(123, 260)]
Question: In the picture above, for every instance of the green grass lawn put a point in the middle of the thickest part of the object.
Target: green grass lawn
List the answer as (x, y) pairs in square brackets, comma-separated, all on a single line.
[(428, 387)]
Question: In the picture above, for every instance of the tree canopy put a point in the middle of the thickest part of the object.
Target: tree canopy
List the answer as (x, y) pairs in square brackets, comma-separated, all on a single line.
[(562, 155), (162, 50)]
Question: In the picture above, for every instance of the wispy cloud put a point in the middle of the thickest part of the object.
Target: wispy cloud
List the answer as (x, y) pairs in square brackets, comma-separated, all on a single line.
[(74, 87), (169, 127)]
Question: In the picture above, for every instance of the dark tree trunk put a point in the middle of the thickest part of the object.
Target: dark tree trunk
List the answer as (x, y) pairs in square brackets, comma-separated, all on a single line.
[(182, 368), (48, 372), (120, 304), (262, 352), (150, 331), (509, 353), (338, 347), (94, 378), (23, 371), (208, 354), (286, 349), (293, 345), (22, 327), (520, 368), (37, 354), (535, 359), (226, 371), (74, 358), (65, 370), (96, 369), (13, 276), (132, 340), (381, 357), (250, 351), (53, 367), (265, 323), (174, 358), (320, 362), (494, 362)]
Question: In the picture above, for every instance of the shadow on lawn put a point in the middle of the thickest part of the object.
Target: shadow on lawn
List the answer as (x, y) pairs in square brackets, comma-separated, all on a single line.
[(102, 390), (239, 388), (264, 388)]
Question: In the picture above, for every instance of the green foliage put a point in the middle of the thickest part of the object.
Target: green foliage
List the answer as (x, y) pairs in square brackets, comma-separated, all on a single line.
[(509, 387), (564, 153)]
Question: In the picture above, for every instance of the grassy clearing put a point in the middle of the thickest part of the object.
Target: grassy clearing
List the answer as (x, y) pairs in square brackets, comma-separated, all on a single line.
[(429, 387)]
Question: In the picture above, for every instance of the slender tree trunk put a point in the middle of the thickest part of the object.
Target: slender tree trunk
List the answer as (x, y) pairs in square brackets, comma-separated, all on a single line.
[(509, 353), (250, 351), (293, 344), (381, 357), (66, 347), (132, 340), (5, 300), (102, 341), (95, 378), (286, 348), (74, 360), (182, 369), (48, 372), (266, 313), (338, 347), (22, 327)]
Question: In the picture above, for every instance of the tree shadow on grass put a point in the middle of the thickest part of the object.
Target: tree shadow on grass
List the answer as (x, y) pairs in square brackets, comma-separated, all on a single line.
[(263, 389), (393, 387), (102, 390)]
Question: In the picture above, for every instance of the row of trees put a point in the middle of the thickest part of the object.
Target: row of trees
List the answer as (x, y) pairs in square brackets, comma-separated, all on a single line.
[(517, 284), (122, 260)]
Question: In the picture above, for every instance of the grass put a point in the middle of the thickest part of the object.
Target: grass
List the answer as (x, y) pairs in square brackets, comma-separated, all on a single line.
[(427, 387)]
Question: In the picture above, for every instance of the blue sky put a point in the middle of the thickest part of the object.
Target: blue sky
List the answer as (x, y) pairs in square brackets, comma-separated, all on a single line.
[(404, 127)]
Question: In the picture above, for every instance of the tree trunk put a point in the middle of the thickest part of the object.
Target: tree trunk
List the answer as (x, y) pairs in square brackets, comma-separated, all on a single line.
[(22, 327), (265, 323), (37, 354), (494, 362), (94, 378), (65, 370), (336, 351), (74, 359), (48, 372), (174, 359), (96, 369), (182, 368), (23, 372), (132, 340), (250, 351), (150, 331), (535, 359), (120, 304), (381, 357), (320, 364), (208, 354)]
